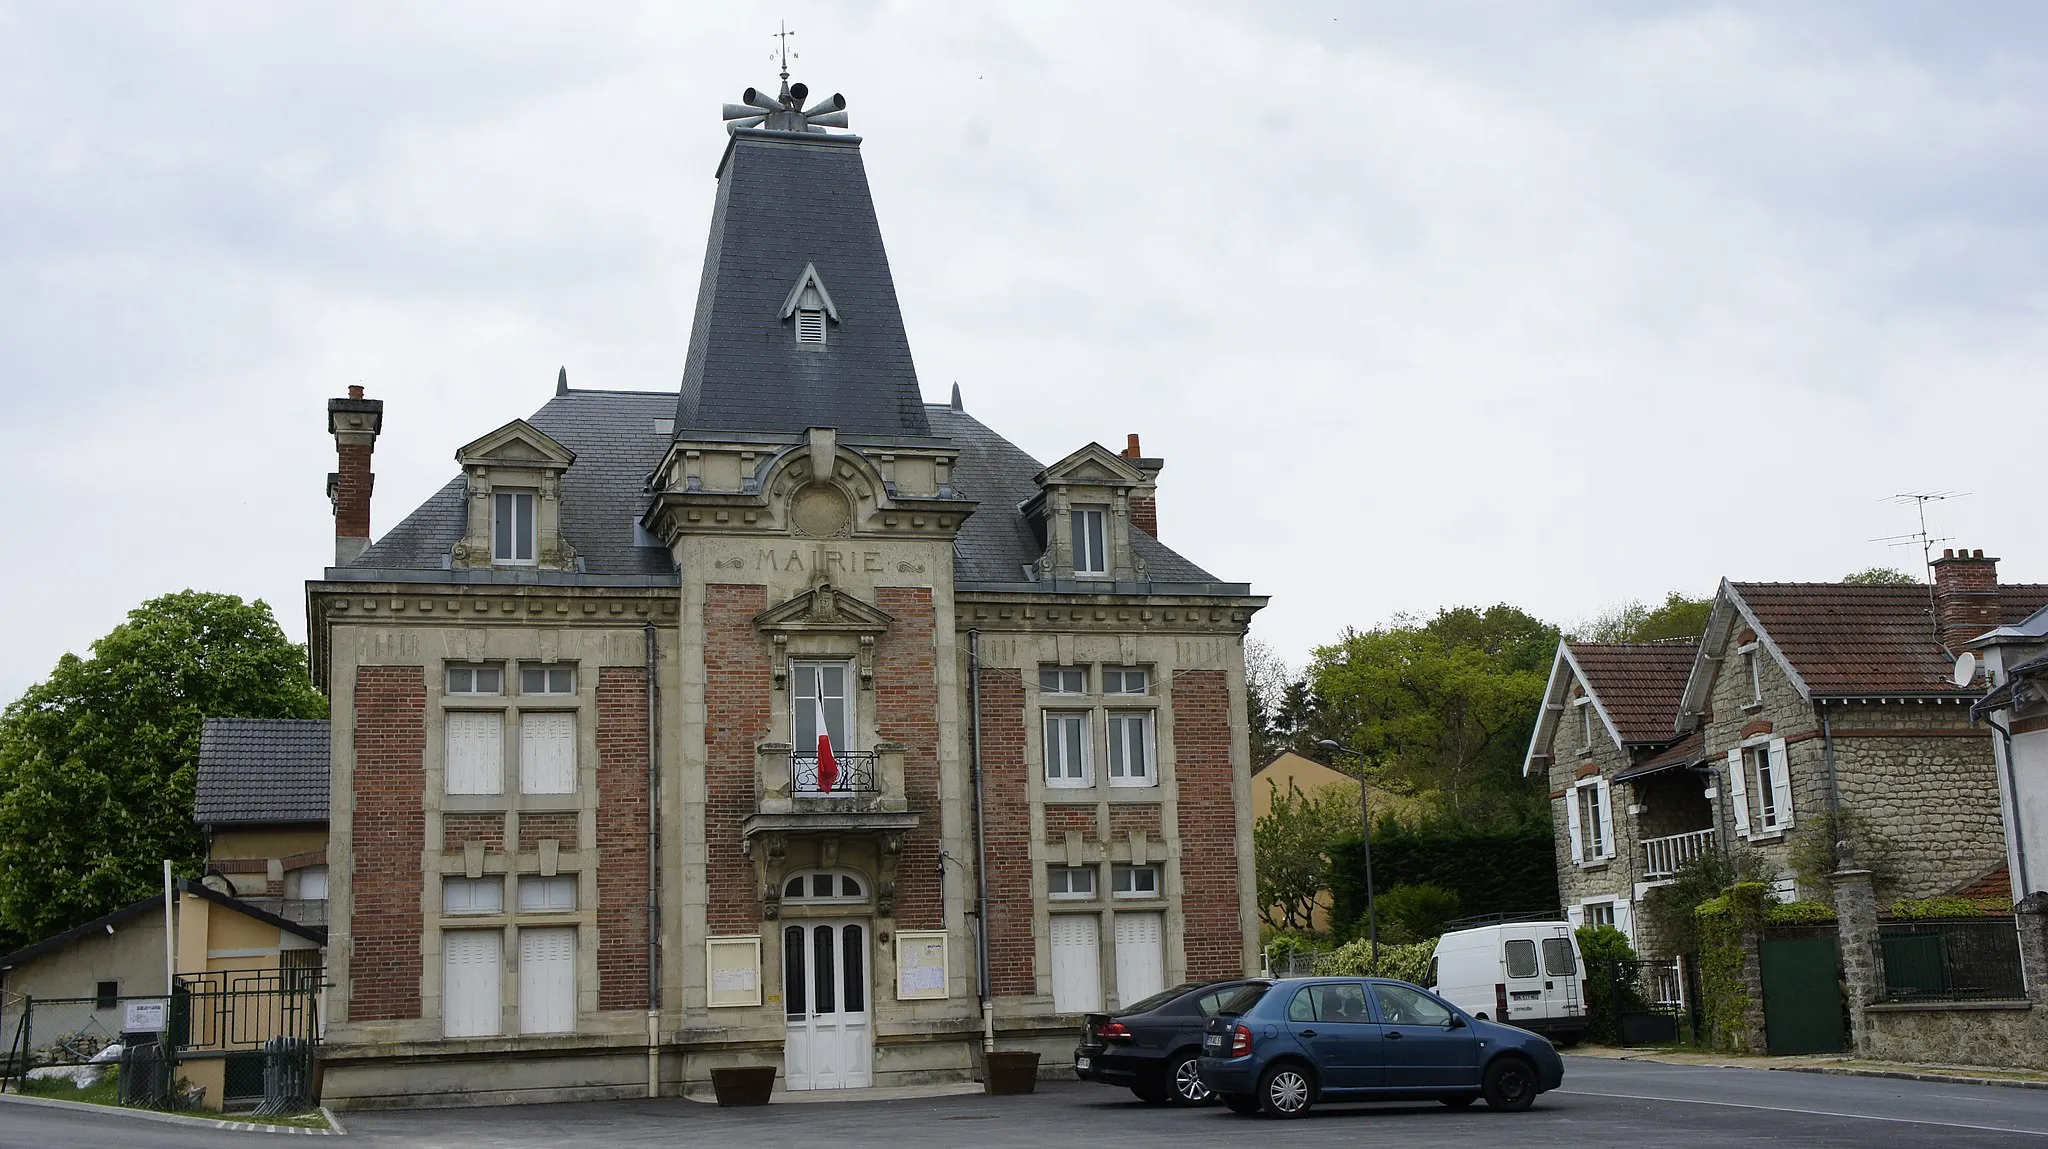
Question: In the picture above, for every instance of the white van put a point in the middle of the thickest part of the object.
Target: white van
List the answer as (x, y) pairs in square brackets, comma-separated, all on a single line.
[(1527, 974)]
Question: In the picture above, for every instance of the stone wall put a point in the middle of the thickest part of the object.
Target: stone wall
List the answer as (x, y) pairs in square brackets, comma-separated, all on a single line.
[(1925, 780), (1572, 760)]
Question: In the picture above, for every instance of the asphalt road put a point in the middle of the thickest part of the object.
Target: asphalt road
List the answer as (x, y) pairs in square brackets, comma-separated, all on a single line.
[(1624, 1104)]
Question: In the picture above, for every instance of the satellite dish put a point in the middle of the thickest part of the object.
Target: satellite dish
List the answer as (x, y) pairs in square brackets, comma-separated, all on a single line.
[(1966, 668)]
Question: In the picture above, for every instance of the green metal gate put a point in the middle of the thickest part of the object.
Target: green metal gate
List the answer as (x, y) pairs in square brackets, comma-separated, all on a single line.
[(1802, 995)]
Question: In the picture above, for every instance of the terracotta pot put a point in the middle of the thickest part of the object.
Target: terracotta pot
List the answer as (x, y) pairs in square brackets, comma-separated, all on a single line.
[(1011, 1071), (743, 1084)]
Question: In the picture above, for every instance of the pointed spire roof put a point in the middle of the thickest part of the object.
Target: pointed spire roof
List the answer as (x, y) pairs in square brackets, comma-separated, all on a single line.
[(794, 208)]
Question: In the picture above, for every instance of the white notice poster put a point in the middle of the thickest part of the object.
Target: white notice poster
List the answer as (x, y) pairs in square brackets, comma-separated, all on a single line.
[(734, 965), (920, 965), (143, 1017)]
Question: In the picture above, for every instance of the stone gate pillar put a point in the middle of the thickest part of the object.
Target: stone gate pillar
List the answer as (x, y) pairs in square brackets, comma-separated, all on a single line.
[(1862, 971), (2032, 916)]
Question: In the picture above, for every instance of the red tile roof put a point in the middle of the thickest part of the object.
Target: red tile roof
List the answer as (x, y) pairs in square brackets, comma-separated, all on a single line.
[(1638, 683), (1847, 638), (1996, 884)]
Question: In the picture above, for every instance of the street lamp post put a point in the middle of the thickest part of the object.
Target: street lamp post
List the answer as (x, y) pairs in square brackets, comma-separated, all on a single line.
[(1372, 924)]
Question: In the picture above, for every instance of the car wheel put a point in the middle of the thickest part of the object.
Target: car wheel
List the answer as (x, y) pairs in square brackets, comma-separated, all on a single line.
[(1458, 1102), (1286, 1091), (1184, 1076), (1510, 1085), (1151, 1095), (1239, 1103)]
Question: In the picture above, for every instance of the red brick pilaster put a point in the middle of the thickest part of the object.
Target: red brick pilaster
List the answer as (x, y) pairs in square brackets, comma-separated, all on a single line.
[(907, 710), (1145, 514), (621, 837), (736, 717), (1214, 935), (1007, 816), (389, 827)]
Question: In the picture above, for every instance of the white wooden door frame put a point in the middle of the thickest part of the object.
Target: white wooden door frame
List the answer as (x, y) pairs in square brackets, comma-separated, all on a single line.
[(830, 1048)]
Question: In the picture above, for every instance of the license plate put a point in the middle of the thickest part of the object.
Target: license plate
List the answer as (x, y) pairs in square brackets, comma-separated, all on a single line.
[(1212, 1041), (1082, 1063)]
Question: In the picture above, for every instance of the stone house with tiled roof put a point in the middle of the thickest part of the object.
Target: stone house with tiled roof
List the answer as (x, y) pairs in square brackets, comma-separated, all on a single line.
[(1801, 702), (587, 840)]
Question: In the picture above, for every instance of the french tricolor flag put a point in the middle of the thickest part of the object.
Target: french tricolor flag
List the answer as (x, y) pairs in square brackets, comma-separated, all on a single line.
[(828, 766)]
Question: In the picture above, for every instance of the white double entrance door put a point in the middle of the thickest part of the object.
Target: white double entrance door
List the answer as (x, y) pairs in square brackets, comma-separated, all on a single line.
[(825, 1004)]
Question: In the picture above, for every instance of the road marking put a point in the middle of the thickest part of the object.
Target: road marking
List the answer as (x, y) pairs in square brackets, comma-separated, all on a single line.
[(1814, 1112)]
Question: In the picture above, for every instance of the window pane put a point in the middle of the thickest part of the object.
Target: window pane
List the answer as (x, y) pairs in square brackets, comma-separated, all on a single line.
[(1301, 1008), (821, 950), (501, 527), (522, 508), (849, 887), (856, 980), (821, 885), (490, 680), (1521, 953), (1557, 957), (458, 680), (795, 888), (533, 680), (1400, 1005), (1343, 1002), (561, 680), (793, 971)]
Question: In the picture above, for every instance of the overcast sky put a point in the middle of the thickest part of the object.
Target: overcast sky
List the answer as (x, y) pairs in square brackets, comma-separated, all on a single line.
[(1552, 304)]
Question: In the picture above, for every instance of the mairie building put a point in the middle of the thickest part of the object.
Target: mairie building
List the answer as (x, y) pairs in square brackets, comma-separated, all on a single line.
[(581, 843)]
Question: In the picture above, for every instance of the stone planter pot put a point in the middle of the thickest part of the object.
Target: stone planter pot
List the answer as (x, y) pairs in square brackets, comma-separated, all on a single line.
[(1010, 1072), (743, 1084)]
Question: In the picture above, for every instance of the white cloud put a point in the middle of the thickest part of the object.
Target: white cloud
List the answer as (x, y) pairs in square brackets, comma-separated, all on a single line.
[(1555, 305)]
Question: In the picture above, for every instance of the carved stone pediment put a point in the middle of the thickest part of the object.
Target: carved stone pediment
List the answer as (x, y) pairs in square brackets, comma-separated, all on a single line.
[(1094, 466), (824, 608), (517, 444)]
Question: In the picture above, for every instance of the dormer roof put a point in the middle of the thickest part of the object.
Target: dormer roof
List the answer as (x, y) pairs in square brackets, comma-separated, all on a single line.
[(810, 294), (1093, 465), (519, 444)]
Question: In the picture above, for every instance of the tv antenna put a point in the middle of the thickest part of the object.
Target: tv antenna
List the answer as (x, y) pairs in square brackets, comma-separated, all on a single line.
[(1926, 539)]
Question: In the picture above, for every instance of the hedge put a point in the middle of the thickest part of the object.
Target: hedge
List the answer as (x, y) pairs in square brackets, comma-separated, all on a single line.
[(1493, 871)]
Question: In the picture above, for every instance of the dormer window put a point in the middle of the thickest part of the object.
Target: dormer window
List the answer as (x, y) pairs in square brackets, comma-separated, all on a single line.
[(810, 326), (810, 306), (1091, 551), (512, 527)]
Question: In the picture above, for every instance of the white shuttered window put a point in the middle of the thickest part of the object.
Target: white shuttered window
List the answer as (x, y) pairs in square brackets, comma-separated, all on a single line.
[(476, 752), (469, 982), (1076, 964), (1140, 957), (547, 980), (547, 753)]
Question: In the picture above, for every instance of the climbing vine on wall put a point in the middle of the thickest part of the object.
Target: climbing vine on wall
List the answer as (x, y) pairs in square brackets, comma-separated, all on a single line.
[(1727, 924)]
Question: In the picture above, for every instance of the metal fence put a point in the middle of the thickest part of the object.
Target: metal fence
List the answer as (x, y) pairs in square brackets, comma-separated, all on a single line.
[(245, 1009), (1652, 1000), (1963, 959), (1294, 963)]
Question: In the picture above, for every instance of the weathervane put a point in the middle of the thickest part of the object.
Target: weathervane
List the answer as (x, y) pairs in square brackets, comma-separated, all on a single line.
[(785, 112)]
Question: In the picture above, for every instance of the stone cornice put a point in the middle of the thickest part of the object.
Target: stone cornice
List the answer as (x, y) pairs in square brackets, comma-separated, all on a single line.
[(1114, 614)]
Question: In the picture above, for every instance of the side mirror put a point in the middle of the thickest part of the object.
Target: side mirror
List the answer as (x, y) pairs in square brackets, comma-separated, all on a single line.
[(1456, 1022)]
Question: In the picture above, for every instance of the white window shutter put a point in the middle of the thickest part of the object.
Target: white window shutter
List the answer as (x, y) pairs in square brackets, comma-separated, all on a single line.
[(1076, 964), (1625, 919), (547, 753), (547, 980), (1781, 783), (469, 982), (476, 754), (1738, 793), (1140, 958), (1576, 915), (1571, 820), (1606, 820)]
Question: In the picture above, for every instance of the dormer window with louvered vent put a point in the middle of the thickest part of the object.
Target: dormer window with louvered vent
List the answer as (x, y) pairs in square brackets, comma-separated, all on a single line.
[(809, 307)]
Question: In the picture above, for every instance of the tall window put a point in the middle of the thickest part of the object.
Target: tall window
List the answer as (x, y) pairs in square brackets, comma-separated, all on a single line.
[(1066, 749), (512, 528), (1763, 783), (1754, 665), (476, 752), (1585, 723), (547, 753), (1130, 748), (1091, 555), (1592, 826), (814, 686)]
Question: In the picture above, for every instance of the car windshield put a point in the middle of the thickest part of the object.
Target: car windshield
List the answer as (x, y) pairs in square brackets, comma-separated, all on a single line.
[(1162, 997), (1243, 1000)]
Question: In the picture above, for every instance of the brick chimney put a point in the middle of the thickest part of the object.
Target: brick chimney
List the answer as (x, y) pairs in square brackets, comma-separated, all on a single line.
[(1144, 500), (1965, 596), (354, 422)]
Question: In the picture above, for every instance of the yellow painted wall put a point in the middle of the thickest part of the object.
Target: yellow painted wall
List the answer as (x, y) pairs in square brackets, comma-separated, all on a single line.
[(266, 843)]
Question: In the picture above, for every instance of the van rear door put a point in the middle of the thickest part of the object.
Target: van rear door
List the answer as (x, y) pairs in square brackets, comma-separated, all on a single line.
[(1522, 966), (1561, 974)]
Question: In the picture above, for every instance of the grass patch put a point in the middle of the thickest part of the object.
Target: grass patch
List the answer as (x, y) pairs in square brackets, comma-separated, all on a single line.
[(107, 1092)]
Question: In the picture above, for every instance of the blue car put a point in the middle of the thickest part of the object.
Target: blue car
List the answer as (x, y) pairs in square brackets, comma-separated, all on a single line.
[(1282, 1047)]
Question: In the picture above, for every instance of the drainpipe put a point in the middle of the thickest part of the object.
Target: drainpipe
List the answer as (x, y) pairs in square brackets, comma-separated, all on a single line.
[(2012, 789), (653, 868), (988, 1012)]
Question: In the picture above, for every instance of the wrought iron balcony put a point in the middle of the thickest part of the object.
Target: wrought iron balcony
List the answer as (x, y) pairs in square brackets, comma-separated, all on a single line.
[(857, 775), (1663, 857)]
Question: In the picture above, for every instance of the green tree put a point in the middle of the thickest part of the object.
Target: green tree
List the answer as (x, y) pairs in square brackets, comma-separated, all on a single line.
[(1411, 913), (1292, 846), (1265, 687), (1440, 710), (1881, 576), (98, 762), (1679, 617)]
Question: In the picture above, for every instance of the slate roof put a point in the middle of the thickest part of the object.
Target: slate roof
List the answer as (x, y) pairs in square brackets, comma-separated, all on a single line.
[(997, 543), (1850, 639), (1639, 684), (604, 492), (786, 201), (257, 770)]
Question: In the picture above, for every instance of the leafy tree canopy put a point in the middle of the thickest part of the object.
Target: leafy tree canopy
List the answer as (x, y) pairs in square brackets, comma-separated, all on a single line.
[(1679, 617), (98, 763), (1881, 576), (1292, 845), (1440, 710)]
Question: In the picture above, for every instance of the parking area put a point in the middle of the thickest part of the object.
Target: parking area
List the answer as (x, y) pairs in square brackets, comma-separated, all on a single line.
[(1604, 1103)]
